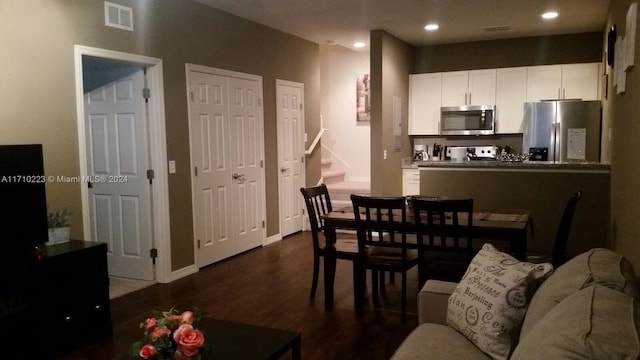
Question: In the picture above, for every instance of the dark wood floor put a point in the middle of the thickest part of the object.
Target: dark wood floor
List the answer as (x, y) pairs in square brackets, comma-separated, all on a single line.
[(269, 286)]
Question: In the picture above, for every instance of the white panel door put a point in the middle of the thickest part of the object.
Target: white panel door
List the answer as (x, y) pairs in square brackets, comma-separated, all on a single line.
[(482, 87), (544, 82), (227, 157), (245, 114), (290, 118), (511, 95), (117, 162), (425, 99), (212, 188)]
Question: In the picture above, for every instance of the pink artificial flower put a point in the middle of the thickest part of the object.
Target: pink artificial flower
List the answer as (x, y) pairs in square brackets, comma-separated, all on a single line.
[(148, 351), (187, 317), (150, 323), (189, 340), (157, 332)]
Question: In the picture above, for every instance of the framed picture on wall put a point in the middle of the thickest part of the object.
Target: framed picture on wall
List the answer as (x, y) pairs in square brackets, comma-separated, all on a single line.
[(363, 98)]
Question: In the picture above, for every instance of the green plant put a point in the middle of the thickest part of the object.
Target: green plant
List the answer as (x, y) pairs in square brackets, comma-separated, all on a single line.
[(58, 218)]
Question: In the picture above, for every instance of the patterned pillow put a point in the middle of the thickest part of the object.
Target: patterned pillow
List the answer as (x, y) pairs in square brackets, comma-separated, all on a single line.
[(490, 301)]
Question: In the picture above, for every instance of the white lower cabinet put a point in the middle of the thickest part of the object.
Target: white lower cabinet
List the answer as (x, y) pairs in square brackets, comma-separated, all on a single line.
[(410, 182)]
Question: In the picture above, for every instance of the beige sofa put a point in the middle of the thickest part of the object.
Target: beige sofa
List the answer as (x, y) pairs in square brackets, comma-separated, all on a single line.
[(586, 309)]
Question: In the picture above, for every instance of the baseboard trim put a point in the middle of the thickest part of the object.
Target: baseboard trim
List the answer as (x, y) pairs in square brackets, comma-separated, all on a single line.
[(272, 239), (184, 272)]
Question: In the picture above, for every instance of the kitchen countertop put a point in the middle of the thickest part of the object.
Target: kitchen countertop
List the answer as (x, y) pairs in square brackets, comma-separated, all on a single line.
[(499, 165)]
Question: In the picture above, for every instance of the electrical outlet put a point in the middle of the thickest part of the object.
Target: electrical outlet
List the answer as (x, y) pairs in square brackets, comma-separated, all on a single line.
[(384, 154), (172, 166)]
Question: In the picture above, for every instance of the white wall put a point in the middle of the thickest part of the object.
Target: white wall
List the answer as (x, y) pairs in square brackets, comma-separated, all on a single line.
[(347, 138)]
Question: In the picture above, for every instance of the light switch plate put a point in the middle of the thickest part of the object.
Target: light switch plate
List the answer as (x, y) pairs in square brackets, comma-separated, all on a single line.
[(172, 166)]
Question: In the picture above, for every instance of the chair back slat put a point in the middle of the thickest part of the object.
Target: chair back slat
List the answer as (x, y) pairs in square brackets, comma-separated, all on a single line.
[(380, 221), (448, 225), (318, 203), (559, 255)]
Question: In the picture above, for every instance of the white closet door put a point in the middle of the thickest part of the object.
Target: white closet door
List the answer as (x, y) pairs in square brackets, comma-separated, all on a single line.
[(245, 114), (227, 155)]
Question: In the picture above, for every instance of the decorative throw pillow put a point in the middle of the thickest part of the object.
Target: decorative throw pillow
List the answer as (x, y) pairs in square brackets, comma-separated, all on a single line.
[(490, 301)]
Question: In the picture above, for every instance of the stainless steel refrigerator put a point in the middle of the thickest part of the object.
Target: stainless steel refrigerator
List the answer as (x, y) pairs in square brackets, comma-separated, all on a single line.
[(563, 130)]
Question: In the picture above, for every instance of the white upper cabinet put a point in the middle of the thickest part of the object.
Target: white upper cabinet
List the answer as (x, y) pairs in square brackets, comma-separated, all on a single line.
[(455, 87), (544, 82), (571, 81), (425, 97), (580, 81), (477, 87), (511, 94), (507, 88), (482, 87)]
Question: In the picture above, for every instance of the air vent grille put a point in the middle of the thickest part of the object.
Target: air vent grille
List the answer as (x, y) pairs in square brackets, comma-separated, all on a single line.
[(118, 16), (496, 28)]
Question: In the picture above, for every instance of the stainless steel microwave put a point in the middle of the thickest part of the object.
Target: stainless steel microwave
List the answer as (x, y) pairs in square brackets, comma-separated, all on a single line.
[(468, 120)]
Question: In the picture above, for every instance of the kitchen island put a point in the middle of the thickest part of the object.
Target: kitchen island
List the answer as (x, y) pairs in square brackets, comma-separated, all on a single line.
[(541, 187)]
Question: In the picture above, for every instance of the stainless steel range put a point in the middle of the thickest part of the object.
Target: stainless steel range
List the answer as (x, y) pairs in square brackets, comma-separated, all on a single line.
[(486, 152)]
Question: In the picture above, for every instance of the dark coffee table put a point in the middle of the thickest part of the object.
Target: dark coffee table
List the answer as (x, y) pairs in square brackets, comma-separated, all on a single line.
[(226, 340)]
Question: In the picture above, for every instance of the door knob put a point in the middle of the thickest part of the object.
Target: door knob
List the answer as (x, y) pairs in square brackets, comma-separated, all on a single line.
[(239, 177), (284, 170)]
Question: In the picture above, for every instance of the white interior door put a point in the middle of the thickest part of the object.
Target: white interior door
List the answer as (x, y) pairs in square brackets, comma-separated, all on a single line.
[(210, 132), (117, 162), (245, 113), (290, 120), (226, 132)]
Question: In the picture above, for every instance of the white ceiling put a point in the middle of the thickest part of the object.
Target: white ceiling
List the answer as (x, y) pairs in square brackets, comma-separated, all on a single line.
[(347, 21)]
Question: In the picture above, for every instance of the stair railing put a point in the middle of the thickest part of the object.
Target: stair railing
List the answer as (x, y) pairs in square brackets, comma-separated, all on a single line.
[(315, 141)]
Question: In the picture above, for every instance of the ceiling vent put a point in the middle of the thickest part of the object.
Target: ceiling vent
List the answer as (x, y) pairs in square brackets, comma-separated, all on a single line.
[(118, 16), (496, 28)]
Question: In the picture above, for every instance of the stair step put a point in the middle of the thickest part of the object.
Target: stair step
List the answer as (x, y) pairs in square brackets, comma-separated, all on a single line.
[(341, 191), (325, 162), (333, 176)]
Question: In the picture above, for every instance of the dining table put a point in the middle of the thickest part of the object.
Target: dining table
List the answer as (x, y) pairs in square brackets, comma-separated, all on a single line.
[(507, 225)]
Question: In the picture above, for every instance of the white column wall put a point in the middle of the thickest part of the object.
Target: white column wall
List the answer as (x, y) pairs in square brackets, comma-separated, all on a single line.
[(347, 138)]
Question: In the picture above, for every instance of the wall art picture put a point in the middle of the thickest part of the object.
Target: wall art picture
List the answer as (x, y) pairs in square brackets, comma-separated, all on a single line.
[(363, 98)]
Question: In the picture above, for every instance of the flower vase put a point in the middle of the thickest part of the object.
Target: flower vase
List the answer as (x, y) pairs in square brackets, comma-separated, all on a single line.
[(59, 235)]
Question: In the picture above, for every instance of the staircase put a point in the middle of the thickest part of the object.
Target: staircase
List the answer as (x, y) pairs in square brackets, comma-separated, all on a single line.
[(340, 190)]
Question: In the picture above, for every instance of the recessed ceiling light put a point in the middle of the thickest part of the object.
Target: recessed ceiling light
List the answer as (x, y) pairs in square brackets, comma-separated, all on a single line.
[(359, 44), (431, 27), (550, 15)]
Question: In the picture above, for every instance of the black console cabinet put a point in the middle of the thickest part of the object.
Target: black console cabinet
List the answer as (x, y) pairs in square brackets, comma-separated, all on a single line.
[(54, 299)]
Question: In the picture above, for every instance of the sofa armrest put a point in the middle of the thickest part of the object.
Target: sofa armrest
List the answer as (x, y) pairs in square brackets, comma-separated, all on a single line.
[(433, 300)]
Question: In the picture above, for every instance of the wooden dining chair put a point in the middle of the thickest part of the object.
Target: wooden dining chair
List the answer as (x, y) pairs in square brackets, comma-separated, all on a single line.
[(381, 224), (559, 253), (318, 203), (444, 236)]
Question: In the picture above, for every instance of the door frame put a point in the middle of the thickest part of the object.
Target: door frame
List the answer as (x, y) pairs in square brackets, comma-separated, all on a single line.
[(157, 151), (303, 172), (226, 73)]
